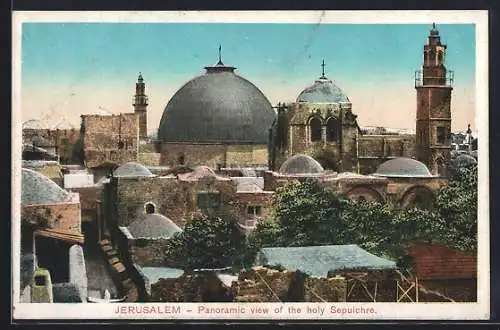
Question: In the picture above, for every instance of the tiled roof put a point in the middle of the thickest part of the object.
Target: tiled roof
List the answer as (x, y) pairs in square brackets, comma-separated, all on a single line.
[(154, 274), (439, 262), (320, 260)]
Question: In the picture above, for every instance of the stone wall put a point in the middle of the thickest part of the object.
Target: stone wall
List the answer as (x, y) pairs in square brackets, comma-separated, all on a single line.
[(332, 289), (88, 201), (262, 199), (213, 155), (64, 141), (63, 217), (110, 139), (149, 158), (373, 150), (460, 290), (173, 198), (260, 284), (77, 270), (199, 287)]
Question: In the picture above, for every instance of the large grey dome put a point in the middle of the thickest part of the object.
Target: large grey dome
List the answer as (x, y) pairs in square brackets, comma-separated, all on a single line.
[(153, 226), (38, 189), (322, 91), (217, 107), (403, 167), (301, 164), (132, 169)]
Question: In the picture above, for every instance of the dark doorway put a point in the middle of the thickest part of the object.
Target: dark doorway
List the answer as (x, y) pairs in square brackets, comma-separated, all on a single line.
[(53, 255)]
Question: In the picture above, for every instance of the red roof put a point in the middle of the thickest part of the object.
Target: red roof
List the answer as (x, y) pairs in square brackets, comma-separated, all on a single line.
[(440, 262)]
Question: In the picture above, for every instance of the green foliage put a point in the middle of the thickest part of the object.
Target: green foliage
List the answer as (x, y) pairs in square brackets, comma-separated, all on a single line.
[(207, 242), (307, 214), (457, 205)]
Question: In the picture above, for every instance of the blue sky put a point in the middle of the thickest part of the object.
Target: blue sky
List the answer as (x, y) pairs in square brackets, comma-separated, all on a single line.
[(72, 68)]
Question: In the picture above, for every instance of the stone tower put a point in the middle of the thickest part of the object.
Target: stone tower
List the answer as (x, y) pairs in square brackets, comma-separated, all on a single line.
[(433, 120), (140, 106)]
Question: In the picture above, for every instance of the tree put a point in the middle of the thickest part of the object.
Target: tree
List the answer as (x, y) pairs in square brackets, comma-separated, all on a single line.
[(457, 207), (371, 226), (207, 242), (307, 214)]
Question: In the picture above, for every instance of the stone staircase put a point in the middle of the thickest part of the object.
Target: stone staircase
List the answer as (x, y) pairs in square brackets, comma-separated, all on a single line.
[(119, 271)]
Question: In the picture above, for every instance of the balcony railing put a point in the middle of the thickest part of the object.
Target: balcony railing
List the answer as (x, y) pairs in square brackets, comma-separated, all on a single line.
[(441, 81)]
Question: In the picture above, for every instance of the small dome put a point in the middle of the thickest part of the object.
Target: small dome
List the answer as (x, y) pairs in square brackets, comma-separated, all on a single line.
[(322, 91), (217, 107), (39, 189), (35, 124), (153, 226), (403, 167), (132, 169), (301, 164)]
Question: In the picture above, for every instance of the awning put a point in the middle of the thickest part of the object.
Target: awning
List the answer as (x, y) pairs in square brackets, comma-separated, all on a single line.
[(68, 236)]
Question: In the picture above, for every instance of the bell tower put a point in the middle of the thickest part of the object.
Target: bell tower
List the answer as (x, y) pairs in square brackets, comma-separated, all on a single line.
[(140, 107), (433, 120)]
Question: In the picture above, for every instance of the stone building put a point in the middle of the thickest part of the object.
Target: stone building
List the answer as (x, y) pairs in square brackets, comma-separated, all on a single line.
[(60, 139), (218, 119), (50, 228), (109, 139), (322, 123)]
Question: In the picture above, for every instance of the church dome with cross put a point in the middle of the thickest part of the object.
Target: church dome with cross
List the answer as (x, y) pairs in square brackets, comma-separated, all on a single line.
[(322, 91)]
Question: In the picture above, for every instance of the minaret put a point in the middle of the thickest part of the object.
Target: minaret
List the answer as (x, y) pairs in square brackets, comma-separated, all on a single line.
[(433, 120), (140, 106)]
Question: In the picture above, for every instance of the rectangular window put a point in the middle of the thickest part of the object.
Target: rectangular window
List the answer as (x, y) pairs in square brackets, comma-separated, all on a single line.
[(441, 135), (208, 201), (254, 210)]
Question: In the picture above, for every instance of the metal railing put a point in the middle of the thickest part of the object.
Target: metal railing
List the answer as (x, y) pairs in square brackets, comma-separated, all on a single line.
[(447, 80)]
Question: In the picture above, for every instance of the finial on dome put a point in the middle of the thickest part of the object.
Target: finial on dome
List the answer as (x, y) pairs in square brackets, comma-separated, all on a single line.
[(220, 56), (469, 131), (433, 25), (140, 77), (323, 70)]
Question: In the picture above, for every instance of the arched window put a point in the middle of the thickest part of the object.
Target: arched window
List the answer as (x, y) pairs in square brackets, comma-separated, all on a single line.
[(315, 127), (332, 129), (149, 208), (181, 160)]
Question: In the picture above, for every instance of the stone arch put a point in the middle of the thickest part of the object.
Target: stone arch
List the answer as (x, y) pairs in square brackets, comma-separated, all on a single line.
[(315, 129), (365, 193), (333, 129), (418, 196)]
